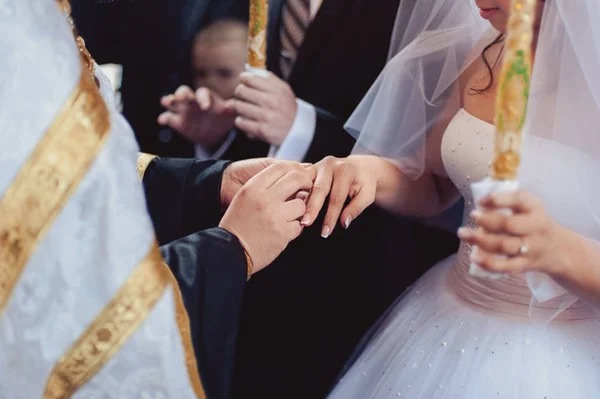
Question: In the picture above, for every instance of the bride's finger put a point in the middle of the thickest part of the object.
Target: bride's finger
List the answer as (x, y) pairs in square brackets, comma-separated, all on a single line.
[(363, 199), (319, 192), (492, 243), (496, 221), (518, 201), (501, 264), (337, 199)]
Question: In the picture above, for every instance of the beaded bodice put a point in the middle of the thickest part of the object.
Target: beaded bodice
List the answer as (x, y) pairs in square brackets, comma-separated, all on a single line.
[(467, 152)]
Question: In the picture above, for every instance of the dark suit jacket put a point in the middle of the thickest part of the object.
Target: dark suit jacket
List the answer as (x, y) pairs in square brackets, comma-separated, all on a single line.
[(344, 50), (209, 265)]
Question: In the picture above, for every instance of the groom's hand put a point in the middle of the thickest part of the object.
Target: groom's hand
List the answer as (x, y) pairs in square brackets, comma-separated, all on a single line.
[(238, 173), (265, 214)]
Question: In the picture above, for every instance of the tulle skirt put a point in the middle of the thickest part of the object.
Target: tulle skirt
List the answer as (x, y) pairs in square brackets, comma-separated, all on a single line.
[(434, 345)]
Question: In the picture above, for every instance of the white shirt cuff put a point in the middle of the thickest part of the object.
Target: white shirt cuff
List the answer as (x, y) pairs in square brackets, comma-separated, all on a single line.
[(203, 154), (296, 144)]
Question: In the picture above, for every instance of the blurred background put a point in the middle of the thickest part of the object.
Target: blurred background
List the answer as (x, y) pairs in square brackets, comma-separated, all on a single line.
[(148, 48)]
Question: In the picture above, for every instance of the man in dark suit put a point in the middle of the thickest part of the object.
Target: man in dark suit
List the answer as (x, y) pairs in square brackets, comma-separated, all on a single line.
[(212, 264)]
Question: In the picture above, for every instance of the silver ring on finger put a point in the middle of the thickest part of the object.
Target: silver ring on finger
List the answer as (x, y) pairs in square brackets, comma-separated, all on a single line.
[(524, 248)]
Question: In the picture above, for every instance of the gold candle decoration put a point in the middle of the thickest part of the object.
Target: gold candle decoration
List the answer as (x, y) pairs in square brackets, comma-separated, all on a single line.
[(513, 90), (257, 34)]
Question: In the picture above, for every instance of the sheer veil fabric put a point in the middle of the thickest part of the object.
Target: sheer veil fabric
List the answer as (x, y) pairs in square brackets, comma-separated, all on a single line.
[(405, 114)]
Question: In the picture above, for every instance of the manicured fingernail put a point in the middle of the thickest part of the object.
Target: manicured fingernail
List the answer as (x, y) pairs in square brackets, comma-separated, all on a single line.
[(347, 222), (305, 220), (326, 231), (476, 214)]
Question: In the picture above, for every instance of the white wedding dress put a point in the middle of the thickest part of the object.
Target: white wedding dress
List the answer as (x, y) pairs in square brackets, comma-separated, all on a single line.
[(456, 336)]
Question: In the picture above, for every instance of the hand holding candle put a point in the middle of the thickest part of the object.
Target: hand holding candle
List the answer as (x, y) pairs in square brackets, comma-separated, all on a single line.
[(511, 109)]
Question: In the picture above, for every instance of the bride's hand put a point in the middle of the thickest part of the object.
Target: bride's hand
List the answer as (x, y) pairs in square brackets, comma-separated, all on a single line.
[(529, 239), (341, 178)]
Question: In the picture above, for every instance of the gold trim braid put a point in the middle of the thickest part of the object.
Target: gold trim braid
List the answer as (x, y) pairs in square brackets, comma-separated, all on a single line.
[(181, 315), (105, 336), (48, 178), (142, 163), (118, 321), (183, 322)]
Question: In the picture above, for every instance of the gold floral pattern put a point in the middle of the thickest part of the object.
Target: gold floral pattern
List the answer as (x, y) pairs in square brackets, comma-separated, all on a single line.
[(119, 319)]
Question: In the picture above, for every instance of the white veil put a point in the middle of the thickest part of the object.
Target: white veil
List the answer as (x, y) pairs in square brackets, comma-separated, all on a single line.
[(405, 113)]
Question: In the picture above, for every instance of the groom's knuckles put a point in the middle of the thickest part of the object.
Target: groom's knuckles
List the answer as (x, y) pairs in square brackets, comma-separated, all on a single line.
[(294, 209), (291, 183), (270, 175)]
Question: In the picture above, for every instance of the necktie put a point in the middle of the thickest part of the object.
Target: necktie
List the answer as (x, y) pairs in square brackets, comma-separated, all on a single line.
[(296, 19)]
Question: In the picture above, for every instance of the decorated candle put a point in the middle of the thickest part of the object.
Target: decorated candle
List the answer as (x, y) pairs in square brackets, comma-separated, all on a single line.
[(513, 90), (257, 34)]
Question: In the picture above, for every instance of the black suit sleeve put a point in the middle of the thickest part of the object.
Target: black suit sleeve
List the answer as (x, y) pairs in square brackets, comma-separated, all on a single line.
[(183, 196), (210, 268)]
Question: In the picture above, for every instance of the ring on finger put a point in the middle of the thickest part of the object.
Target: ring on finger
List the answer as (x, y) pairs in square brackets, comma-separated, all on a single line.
[(524, 248)]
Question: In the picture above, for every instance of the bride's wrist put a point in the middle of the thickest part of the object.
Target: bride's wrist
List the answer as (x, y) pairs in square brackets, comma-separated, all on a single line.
[(384, 173), (564, 265)]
